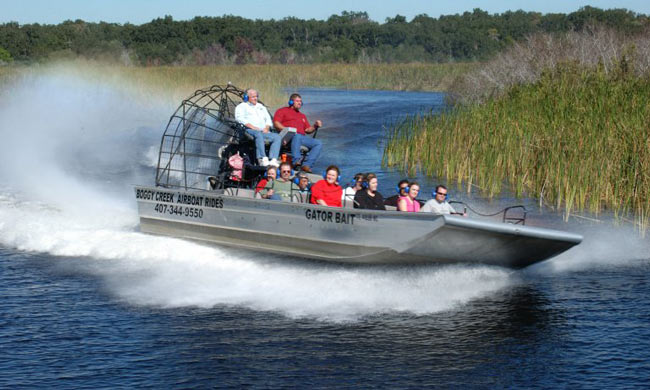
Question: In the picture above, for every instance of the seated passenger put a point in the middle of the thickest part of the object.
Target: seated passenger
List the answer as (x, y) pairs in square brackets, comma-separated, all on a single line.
[(408, 202), (258, 124), (327, 192), (277, 188), (291, 118), (267, 182), (284, 187), (302, 181), (439, 204), (401, 186), (355, 185), (369, 198)]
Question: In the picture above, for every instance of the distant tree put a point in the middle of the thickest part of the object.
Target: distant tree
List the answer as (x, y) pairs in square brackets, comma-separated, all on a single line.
[(243, 49), (5, 56)]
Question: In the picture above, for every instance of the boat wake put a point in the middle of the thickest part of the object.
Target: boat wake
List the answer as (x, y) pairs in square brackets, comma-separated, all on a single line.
[(164, 272), (67, 171)]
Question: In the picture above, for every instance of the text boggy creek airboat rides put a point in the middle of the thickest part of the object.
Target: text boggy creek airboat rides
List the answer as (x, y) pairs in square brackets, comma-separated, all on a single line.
[(208, 169)]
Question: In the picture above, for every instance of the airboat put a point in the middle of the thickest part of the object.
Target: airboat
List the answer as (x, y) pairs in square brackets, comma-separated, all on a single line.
[(197, 197)]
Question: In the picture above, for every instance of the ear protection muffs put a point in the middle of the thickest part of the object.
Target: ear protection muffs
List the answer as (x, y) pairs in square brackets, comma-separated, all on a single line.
[(338, 178), (277, 173), (297, 181), (290, 102), (434, 193), (353, 182), (245, 96), (406, 189)]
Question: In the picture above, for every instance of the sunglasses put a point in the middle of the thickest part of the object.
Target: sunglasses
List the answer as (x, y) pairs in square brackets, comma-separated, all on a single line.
[(441, 193), (285, 171)]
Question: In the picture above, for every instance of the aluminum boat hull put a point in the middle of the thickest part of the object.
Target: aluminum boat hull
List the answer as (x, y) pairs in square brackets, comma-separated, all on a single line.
[(344, 235)]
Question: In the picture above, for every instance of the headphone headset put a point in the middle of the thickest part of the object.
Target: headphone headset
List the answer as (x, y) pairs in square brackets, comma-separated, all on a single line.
[(277, 172), (245, 96), (434, 193), (296, 180), (290, 102), (353, 182), (338, 178), (406, 189)]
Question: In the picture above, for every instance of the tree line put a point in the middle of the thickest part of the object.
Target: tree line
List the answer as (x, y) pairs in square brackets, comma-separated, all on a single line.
[(348, 37)]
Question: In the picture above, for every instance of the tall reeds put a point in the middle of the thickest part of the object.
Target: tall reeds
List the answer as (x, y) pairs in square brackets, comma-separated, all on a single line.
[(177, 82), (578, 138)]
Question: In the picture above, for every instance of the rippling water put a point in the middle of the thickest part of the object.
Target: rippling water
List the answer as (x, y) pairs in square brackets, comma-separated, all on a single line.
[(89, 302)]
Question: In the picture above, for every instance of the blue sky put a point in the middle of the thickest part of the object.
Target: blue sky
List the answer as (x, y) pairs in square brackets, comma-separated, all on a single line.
[(142, 11)]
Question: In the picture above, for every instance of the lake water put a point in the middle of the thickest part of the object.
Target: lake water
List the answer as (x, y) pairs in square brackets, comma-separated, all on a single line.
[(89, 302)]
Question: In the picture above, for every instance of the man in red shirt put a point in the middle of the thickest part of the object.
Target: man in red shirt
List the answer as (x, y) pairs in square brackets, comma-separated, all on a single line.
[(291, 117)]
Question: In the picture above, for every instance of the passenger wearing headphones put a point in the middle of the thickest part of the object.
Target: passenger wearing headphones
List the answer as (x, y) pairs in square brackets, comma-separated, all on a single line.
[(279, 188), (369, 198), (302, 181), (266, 184), (402, 190), (439, 204), (327, 192), (356, 185), (295, 121), (284, 186), (258, 124), (409, 203)]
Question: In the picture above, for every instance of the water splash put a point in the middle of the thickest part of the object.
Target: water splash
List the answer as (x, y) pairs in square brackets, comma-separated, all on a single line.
[(605, 245)]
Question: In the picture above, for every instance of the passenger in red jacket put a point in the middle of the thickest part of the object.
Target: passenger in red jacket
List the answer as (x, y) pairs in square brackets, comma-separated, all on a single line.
[(327, 192)]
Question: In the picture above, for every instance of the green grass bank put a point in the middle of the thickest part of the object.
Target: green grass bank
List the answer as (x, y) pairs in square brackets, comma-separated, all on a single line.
[(578, 138)]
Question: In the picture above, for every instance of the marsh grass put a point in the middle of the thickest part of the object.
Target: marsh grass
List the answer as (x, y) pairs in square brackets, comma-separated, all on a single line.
[(578, 139), (177, 82)]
